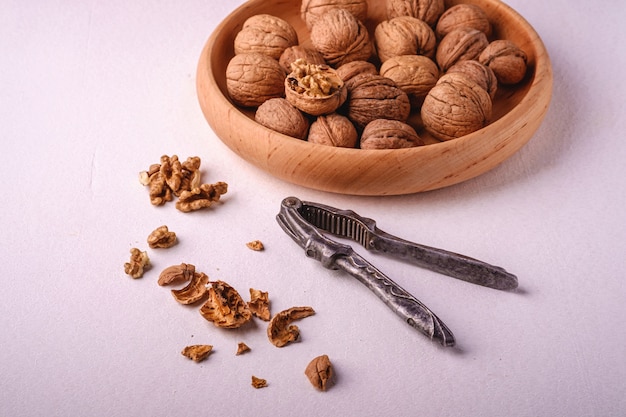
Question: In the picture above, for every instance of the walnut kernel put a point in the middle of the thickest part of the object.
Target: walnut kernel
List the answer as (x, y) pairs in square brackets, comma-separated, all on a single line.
[(197, 353), (314, 89), (426, 10), (506, 59), (281, 116), (225, 307), (170, 177), (404, 35), (280, 331), (253, 78), (265, 34), (161, 237), (255, 245), (389, 134), (201, 197), (320, 372), (311, 10), (460, 45), (463, 15), (139, 262), (333, 130)]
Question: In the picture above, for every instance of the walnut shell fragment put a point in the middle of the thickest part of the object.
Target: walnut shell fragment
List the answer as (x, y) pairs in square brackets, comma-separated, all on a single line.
[(176, 273), (333, 130), (258, 382), (341, 38), (311, 10), (194, 291), (197, 353), (201, 197), (242, 348), (389, 134), (138, 263), (455, 107), (265, 34), (320, 372), (256, 245), (253, 78), (506, 60), (225, 308), (281, 116), (404, 35), (161, 237), (280, 331), (426, 10), (259, 304)]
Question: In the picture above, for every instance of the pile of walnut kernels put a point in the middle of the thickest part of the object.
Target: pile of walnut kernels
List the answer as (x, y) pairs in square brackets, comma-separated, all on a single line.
[(350, 88), (221, 303)]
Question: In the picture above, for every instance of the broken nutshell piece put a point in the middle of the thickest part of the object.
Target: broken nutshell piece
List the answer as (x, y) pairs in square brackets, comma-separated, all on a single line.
[(242, 348), (161, 237), (258, 382), (256, 245), (197, 353), (320, 372), (176, 273), (259, 304), (194, 291), (138, 263), (280, 331), (225, 307)]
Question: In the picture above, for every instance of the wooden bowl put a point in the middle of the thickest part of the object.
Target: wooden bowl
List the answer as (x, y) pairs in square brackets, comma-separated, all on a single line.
[(517, 113)]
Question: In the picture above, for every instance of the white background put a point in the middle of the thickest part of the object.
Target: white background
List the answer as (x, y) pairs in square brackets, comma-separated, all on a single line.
[(93, 92)]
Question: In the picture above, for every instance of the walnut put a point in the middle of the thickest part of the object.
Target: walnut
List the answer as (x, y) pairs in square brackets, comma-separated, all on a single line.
[(253, 78), (463, 15), (506, 59), (375, 97), (258, 382), (311, 10), (255, 245), (455, 107), (201, 197), (320, 372), (314, 89), (259, 304), (296, 52), (139, 262), (354, 68), (333, 130), (265, 34), (225, 307), (197, 353), (389, 134), (171, 177), (161, 237), (460, 45), (404, 35), (426, 10), (341, 38), (414, 74), (281, 116), (176, 273), (280, 330), (479, 73), (242, 348), (194, 291)]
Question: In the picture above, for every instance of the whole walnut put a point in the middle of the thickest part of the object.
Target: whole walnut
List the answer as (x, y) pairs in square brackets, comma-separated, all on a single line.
[(375, 97), (506, 60), (314, 89), (311, 10), (426, 10), (253, 78), (479, 73), (351, 69), (415, 74), (455, 107), (293, 53), (404, 35), (341, 38), (265, 34), (389, 134), (463, 15), (333, 130), (460, 45), (281, 116)]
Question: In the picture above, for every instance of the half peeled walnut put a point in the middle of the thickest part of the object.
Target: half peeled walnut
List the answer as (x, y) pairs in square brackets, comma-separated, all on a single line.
[(314, 89)]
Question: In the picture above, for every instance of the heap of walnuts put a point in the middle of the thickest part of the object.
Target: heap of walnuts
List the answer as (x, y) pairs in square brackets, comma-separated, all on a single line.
[(351, 88)]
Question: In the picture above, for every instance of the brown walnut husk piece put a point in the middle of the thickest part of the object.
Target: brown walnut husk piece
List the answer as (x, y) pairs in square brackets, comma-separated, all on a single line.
[(225, 308), (253, 78), (463, 15), (280, 331), (320, 372), (341, 38), (460, 45), (404, 35), (281, 116), (389, 134), (311, 10), (506, 60), (426, 10), (333, 130), (455, 107), (265, 34)]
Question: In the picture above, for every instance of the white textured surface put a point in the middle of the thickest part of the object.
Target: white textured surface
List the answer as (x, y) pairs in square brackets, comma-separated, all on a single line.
[(93, 92)]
